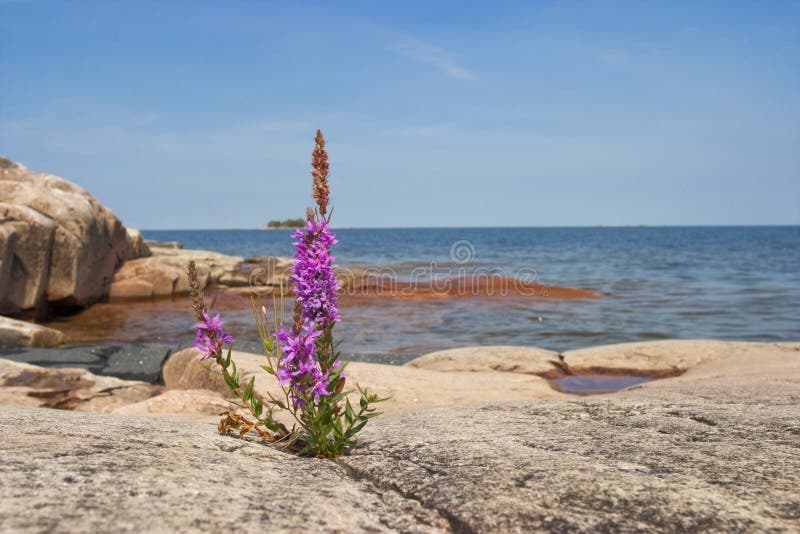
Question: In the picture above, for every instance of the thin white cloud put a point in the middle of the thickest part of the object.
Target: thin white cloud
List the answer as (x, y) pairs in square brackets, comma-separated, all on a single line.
[(424, 53), (610, 56)]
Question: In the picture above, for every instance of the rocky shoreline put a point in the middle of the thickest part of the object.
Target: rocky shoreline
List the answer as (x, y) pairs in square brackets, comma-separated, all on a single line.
[(62, 252), (473, 440)]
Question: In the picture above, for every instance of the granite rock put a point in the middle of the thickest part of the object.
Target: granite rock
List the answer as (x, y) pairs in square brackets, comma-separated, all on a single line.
[(715, 450), (61, 244)]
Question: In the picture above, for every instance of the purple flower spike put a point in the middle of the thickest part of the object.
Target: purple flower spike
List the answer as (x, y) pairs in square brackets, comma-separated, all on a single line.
[(210, 336), (298, 368), (313, 276)]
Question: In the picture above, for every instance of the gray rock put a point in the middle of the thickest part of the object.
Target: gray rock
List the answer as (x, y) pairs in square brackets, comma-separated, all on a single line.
[(93, 359), (70, 472), (137, 362), (129, 362)]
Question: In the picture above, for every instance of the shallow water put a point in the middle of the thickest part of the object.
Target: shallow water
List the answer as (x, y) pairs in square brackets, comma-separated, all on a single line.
[(595, 384), (730, 283)]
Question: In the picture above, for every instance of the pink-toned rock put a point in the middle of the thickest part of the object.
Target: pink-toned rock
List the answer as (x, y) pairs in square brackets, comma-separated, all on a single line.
[(15, 333), (409, 388), (660, 358), (137, 246), (180, 402), (163, 273), (131, 289), (503, 358), (68, 388), (61, 244), (26, 241)]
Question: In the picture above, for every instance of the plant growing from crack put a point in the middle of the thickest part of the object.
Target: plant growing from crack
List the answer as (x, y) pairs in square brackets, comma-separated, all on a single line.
[(303, 358)]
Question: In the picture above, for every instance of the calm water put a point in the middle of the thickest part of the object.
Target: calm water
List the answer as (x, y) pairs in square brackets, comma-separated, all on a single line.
[(732, 283)]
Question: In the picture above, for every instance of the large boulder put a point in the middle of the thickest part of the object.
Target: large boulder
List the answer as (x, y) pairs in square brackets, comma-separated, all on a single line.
[(26, 243), (59, 246), (15, 333)]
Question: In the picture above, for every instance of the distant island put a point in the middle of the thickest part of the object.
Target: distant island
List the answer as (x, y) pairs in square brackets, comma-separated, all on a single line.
[(287, 223)]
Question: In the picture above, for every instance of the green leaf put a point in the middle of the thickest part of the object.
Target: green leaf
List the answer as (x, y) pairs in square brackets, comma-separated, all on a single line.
[(230, 382), (348, 412), (268, 369), (336, 398), (227, 361), (248, 391), (356, 429)]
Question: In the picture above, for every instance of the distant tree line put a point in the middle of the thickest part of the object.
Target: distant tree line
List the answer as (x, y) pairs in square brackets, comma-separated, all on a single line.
[(287, 223)]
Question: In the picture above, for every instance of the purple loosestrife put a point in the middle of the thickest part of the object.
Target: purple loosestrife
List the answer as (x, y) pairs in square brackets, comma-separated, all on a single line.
[(313, 276), (298, 366), (210, 336), (303, 358)]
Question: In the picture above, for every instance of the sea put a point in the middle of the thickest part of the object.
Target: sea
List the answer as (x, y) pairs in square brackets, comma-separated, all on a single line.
[(727, 283)]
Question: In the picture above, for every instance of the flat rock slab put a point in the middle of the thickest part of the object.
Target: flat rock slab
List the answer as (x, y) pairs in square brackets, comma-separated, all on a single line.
[(600, 465), (666, 357), (70, 472), (503, 358)]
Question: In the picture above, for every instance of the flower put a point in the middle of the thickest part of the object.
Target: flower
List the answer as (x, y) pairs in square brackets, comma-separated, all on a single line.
[(210, 336), (297, 366), (312, 273)]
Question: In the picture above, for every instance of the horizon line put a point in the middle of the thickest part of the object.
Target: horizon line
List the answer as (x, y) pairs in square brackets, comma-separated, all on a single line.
[(604, 226)]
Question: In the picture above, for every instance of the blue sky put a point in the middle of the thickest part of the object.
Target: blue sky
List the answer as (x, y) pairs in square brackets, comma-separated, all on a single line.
[(202, 115)]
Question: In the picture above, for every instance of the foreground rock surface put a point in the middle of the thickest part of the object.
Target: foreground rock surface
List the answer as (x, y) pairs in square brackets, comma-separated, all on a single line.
[(670, 456), (70, 472), (58, 245), (16, 333)]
